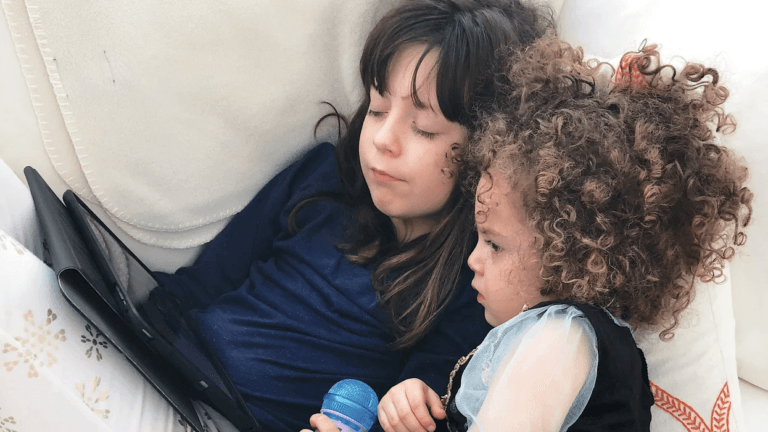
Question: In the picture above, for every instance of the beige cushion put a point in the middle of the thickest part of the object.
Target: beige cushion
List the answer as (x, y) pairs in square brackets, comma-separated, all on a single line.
[(173, 128)]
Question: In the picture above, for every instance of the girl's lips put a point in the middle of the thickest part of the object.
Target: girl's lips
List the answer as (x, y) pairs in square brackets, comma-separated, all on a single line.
[(383, 177)]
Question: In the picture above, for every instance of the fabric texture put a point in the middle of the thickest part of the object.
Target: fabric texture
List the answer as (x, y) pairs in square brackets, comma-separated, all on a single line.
[(289, 316), (557, 353)]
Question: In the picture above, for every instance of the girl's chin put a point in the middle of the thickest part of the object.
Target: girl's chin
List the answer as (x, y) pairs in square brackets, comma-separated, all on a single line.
[(490, 319)]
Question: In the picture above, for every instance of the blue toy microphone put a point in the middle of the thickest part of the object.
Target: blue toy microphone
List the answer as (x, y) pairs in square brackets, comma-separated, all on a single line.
[(351, 404)]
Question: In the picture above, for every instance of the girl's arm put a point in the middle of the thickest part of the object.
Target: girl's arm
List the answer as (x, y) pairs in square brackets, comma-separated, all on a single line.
[(539, 380), (225, 262), (459, 330)]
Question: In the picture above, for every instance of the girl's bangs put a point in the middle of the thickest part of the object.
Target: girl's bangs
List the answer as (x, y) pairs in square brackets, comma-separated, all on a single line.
[(449, 81)]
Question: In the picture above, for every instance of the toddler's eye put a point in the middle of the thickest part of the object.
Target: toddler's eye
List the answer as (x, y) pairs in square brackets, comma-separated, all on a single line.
[(425, 134), (494, 246), (373, 113)]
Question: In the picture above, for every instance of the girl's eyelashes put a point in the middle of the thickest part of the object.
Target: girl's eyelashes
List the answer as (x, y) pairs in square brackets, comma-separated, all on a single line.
[(416, 130), (423, 133), (492, 245)]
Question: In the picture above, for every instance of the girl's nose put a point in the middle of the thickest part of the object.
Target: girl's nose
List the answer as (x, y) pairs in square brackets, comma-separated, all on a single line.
[(387, 138), (474, 261)]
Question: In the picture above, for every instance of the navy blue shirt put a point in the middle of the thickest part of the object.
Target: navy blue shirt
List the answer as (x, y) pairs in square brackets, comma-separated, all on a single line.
[(288, 315)]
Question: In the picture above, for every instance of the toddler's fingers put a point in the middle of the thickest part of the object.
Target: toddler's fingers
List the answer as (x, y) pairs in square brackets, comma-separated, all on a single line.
[(418, 398), (384, 420), (396, 416), (435, 404), (322, 423)]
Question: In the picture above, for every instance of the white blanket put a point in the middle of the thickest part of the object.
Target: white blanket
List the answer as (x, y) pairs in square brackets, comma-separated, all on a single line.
[(58, 371)]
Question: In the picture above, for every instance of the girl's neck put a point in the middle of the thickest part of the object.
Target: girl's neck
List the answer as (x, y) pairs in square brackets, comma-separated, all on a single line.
[(409, 229)]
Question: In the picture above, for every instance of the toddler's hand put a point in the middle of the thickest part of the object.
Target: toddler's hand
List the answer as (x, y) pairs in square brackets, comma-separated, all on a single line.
[(321, 423), (407, 406)]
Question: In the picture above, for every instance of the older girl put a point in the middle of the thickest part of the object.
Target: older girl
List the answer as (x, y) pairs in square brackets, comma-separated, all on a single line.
[(350, 263)]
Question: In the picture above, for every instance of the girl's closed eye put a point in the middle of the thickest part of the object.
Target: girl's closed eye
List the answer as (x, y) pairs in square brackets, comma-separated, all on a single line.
[(373, 113), (423, 133)]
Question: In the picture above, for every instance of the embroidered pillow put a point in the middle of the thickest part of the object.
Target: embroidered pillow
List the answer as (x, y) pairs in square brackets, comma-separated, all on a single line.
[(693, 376), (56, 368)]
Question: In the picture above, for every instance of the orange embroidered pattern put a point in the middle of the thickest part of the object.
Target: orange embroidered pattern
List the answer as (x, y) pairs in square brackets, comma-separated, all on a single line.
[(37, 345), (94, 398), (689, 418), (632, 66)]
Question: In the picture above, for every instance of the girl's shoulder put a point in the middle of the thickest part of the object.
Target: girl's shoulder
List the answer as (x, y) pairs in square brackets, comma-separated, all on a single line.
[(540, 321), (313, 173), (321, 157)]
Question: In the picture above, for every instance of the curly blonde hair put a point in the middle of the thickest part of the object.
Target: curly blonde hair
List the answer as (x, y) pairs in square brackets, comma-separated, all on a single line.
[(628, 193)]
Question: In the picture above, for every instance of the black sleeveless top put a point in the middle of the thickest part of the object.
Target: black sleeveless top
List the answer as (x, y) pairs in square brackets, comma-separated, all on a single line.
[(621, 399)]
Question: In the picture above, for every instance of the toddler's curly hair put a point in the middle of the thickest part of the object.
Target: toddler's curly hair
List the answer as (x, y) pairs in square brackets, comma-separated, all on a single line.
[(627, 189)]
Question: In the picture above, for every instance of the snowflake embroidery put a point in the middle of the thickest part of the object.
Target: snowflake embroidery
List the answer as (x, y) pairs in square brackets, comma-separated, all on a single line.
[(689, 418), (92, 339), (5, 421), (37, 345), (94, 400)]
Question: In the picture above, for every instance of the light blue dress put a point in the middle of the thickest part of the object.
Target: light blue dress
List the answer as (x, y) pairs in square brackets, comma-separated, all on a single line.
[(550, 353)]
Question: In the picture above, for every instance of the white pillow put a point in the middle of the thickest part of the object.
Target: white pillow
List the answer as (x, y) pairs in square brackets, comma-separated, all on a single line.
[(716, 34), (693, 376), (57, 372)]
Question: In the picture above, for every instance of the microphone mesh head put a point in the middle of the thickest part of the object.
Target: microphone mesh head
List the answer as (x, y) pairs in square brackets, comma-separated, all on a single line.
[(353, 399)]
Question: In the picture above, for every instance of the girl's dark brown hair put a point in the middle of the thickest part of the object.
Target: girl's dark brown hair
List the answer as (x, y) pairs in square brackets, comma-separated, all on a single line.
[(627, 189), (416, 281)]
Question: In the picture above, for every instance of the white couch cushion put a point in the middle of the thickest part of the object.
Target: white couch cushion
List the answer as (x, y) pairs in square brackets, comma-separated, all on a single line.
[(234, 92)]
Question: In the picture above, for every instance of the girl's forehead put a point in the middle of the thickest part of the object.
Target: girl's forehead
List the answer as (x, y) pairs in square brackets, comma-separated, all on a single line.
[(495, 190), (492, 192), (494, 181), (413, 68)]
